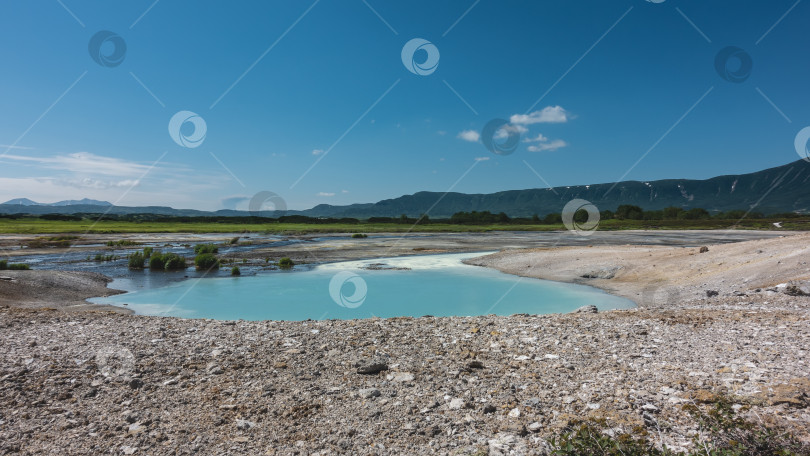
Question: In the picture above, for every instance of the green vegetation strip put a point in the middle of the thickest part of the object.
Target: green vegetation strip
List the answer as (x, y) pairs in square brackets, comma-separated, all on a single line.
[(626, 217), (37, 226)]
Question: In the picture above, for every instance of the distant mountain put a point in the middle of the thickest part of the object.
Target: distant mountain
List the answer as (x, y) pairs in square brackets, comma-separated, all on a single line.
[(85, 202), (21, 202), (782, 189), (82, 202)]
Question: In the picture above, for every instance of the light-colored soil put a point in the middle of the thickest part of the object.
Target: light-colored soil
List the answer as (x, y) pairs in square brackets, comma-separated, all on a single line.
[(106, 383), (55, 289), (658, 276)]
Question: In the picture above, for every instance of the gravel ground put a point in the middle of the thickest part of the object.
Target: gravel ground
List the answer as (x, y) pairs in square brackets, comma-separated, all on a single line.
[(93, 383), (99, 382)]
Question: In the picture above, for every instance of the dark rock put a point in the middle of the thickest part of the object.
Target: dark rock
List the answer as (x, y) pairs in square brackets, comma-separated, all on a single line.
[(475, 365), (135, 383), (712, 293), (371, 369), (704, 249), (489, 409), (587, 309), (796, 290), (604, 273)]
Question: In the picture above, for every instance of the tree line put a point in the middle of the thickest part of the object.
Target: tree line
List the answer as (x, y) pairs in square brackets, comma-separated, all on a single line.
[(623, 212)]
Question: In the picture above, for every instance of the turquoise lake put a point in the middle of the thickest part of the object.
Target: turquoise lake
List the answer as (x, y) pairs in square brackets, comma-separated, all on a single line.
[(439, 285)]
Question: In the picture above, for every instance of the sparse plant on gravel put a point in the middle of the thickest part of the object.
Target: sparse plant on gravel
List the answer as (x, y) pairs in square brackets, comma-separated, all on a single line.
[(722, 433)]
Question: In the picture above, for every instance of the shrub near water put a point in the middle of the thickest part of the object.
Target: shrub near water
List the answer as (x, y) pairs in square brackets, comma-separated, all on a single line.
[(136, 260), (206, 261), (285, 263), (174, 262), (14, 266), (205, 248), (166, 262), (235, 271)]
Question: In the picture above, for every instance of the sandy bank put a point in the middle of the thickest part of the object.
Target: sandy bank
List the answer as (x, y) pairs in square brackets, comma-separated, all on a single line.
[(661, 276), (55, 289)]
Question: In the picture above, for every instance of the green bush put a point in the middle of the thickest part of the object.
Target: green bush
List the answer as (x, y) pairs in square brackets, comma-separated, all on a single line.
[(136, 260), (147, 252), (156, 262), (18, 267), (166, 262), (235, 271), (234, 241), (206, 261), (205, 248), (285, 263), (3, 264), (359, 236), (174, 262)]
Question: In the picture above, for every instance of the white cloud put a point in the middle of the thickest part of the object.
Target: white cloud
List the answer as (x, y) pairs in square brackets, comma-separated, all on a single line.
[(9, 147), (469, 135), (552, 146), (85, 162), (344, 191), (549, 114), (538, 138), (441, 132), (506, 130), (478, 159), (92, 183), (127, 183), (232, 202), (325, 194), (317, 151)]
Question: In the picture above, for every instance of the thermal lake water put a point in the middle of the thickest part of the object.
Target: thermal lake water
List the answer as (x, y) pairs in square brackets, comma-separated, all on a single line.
[(439, 285)]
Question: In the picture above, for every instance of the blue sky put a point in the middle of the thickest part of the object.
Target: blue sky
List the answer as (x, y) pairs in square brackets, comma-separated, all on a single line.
[(312, 101)]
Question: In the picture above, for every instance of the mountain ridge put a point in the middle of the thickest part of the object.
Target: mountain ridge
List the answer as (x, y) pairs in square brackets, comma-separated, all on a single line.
[(783, 188), (83, 201)]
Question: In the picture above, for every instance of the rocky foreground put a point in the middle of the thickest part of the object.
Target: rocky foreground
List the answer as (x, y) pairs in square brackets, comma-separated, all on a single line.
[(106, 383)]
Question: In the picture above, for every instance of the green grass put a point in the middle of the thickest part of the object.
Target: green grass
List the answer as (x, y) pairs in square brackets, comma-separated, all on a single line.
[(722, 433), (13, 266), (37, 226)]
